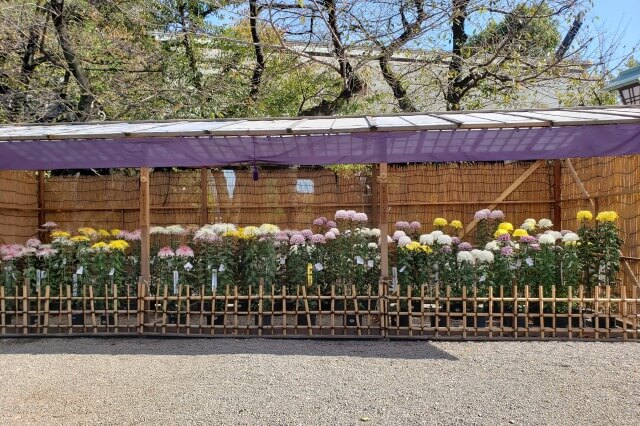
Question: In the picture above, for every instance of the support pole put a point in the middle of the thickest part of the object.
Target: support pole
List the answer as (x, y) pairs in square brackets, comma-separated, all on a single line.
[(557, 194), (384, 222), (204, 196), (41, 205), (145, 241), (375, 195)]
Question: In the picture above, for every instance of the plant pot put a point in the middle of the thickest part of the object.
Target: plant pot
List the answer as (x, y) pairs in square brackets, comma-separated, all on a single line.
[(302, 319), (267, 319), (77, 319), (325, 305), (107, 319), (507, 321), (601, 322), (400, 321), (481, 321), (354, 320), (173, 319)]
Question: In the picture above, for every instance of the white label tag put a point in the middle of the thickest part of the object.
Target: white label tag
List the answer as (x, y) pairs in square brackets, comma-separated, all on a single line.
[(359, 260), (38, 277), (221, 268), (214, 281), (43, 275), (394, 278), (370, 263), (64, 261), (75, 284), (403, 268), (283, 260), (318, 266), (176, 277), (188, 266), (80, 270), (529, 261), (482, 278), (112, 272), (518, 263)]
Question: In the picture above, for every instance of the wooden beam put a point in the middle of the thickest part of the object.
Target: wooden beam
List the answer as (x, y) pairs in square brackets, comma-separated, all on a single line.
[(41, 205), (630, 273), (535, 166), (557, 194), (145, 250), (384, 222), (375, 196), (204, 196), (578, 182)]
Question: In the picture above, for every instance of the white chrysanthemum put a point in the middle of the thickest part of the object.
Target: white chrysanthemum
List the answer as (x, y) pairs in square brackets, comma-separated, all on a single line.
[(444, 240), (475, 253), (223, 228), (427, 239), (547, 239), (374, 232), (372, 245), (530, 220), (157, 230), (570, 236), (175, 230), (335, 231), (398, 234), (267, 229), (556, 234), (437, 233), (528, 226), (465, 256), (403, 241), (545, 223), (492, 246), (486, 256)]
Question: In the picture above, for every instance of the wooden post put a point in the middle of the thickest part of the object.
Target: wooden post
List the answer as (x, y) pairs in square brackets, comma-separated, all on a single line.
[(557, 194), (41, 205), (581, 186), (145, 255), (204, 196), (375, 195), (384, 222)]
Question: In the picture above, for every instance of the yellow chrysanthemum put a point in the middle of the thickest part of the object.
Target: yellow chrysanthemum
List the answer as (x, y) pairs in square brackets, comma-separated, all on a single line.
[(440, 221), (412, 246), (456, 224), (608, 216), (520, 233), (572, 243), (249, 231), (506, 226), (584, 215), (103, 233), (115, 231), (60, 234), (87, 231), (121, 245), (500, 232), (80, 239), (427, 249), (101, 245), (232, 233)]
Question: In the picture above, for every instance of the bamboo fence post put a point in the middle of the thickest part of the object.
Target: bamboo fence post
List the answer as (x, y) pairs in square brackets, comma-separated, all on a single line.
[(526, 309), (333, 308), (145, 240), (260, 306), (490, 319), (69, 309), (356, 302), (306, 309), (383, 184), (464, 311), (622, 308), (25, 307), (204, 196), (46, 310), (557, 193), (3, 316), (42, 234), (541, 309), (570, 312)]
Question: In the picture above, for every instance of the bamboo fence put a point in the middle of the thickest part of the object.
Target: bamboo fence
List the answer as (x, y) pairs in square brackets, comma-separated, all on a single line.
[(423, 312)]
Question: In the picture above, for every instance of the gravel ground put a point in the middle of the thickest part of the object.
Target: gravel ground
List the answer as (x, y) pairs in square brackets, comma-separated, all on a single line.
[(262, 381)]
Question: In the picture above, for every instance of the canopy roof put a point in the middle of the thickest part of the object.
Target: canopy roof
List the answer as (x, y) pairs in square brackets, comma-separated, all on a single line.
[(422, 137)]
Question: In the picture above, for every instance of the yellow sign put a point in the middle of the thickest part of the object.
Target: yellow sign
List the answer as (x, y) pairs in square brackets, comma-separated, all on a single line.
[(309, 275)]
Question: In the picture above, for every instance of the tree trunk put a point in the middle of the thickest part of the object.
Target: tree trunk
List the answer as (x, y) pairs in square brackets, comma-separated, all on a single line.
[(260, 62), (399, 91), (454, 87), (86, 103)]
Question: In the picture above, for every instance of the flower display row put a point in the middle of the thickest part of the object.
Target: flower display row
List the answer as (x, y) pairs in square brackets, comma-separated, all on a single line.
[(339, 251)]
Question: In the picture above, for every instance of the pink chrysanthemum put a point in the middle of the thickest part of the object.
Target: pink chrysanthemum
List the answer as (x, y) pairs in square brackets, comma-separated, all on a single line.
[(402, 225), (33, 242), (496, 214), (360, 217), (331, 224), (318, 239), (415, 225), (165, 252), (297, 239), (482, 214), (330, 236), (307, 233), (465, 246), (342, 215), (184, 251)]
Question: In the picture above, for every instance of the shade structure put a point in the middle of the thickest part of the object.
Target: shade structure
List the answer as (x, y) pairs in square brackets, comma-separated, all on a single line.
[(432, 137)]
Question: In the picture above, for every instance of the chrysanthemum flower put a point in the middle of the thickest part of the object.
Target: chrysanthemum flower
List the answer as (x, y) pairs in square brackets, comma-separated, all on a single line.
[(456, 224), (80, 239), (496, 214), (465, 256), (120, 245), (584, 215), (165, 252), (607, 216), (499, 232), (297, 239), (360, 217), (403, 240), (184, 251), (545, 223), (60, 234), (547, 239), (507, 226), (520, 233), (440, 221)]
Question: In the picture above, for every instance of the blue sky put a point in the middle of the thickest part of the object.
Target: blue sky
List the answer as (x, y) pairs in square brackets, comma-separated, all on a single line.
[(620, 13)]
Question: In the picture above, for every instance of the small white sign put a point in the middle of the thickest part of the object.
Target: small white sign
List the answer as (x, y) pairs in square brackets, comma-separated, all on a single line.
[(482, 278), (359, 260), (176, 277), (403, 268), (214, 280), (112, 272), (283, 260), (188, 266), (529, 261), (318, 266), (64, 261), (394, 278), (80, 270), (221, 268), (370, 263)]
